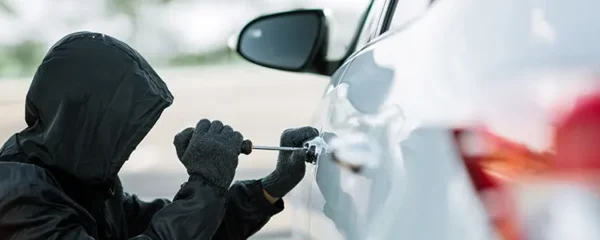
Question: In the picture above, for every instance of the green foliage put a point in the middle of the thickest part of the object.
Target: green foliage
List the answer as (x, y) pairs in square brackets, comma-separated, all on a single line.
[(21, 59), (128, 7), (6, 8)]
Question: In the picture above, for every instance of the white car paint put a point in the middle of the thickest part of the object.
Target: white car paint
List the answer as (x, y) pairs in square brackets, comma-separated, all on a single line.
[(460, 62)]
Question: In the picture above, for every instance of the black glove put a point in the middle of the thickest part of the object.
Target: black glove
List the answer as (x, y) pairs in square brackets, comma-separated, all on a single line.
[(210, 151), (290, 165)]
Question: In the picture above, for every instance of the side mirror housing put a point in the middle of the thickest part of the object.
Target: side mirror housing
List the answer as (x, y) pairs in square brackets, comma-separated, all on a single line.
[(290, 41)]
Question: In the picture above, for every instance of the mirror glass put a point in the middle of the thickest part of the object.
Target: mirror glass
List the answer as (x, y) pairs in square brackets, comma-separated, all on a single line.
[(283, 41)]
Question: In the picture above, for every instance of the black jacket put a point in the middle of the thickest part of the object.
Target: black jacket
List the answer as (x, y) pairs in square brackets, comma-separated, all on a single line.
[(91, 102)]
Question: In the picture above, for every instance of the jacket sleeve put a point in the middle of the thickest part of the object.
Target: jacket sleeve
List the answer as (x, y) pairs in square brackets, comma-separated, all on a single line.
[(247, 211), (41, 211), (138, 213)]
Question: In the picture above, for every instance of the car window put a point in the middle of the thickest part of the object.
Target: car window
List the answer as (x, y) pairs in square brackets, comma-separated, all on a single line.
[(403, 11), (371, 23)]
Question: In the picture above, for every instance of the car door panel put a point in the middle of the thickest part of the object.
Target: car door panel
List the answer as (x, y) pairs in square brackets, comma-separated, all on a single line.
[(343, 201), (321, 227), (403, 188), (412, 185), (318, 225), (396, 195)]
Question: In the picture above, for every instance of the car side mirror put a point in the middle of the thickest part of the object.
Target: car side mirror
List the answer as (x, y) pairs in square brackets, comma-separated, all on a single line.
[(286, 41)]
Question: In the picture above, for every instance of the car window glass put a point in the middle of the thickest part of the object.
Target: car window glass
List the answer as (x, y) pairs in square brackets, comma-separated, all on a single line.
[(370, 24), (405, 11)]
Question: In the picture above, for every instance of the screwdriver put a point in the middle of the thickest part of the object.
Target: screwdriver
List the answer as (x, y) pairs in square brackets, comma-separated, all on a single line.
[(247, 148)]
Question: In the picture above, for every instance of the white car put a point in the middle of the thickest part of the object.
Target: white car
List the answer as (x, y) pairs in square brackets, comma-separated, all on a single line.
[(419, 75)]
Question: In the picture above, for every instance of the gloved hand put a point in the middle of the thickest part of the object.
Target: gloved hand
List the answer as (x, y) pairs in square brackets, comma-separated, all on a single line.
[(290, 165), (209, 151)]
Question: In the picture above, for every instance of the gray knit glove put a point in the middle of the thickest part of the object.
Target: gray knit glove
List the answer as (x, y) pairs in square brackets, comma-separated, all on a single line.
[(290, 165), (209, 151)]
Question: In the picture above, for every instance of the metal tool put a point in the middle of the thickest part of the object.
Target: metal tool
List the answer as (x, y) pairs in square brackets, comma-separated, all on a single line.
[(277, 148), (247, 148)]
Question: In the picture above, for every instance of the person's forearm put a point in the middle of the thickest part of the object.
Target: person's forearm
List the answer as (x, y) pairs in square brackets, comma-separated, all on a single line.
[(269, 198), (196, 212), (249, 208)]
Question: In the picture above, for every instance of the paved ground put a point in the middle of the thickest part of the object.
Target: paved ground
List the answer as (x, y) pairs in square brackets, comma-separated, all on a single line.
[(258, 102)]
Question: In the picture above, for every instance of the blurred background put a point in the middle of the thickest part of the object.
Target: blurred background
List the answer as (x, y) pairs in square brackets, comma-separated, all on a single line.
[(187, 42)]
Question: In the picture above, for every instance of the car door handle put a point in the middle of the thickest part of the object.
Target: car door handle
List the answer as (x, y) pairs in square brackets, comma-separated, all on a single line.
[(354, 152), (353, 167)]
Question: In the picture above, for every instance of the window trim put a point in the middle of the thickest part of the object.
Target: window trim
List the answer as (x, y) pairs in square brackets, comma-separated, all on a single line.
[(390, 15), (375, 14), (386, 19)]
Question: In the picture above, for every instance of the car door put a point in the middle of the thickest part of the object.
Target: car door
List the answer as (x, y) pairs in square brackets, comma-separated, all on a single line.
[(345, 202), (301, 223)]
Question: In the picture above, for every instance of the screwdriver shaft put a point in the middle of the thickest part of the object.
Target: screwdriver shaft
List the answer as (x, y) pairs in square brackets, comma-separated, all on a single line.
[(277, 148)]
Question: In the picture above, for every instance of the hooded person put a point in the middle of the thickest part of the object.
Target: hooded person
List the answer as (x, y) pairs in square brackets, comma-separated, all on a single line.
[(91, 102)]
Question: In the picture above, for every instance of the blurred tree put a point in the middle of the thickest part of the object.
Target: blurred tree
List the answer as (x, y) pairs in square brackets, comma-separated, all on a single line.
[(6, 8), (28, 55), (131, 9), (21, 58)]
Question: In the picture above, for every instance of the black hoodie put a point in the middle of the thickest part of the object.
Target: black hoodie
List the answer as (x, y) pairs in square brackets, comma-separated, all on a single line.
[(91, 102)]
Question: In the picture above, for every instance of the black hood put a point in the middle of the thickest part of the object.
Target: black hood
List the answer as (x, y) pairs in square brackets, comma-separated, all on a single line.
[(91, 102)]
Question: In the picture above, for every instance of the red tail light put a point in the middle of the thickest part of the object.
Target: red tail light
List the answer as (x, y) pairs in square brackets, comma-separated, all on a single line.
[(496, 164), (490, 183), (577, 140)]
